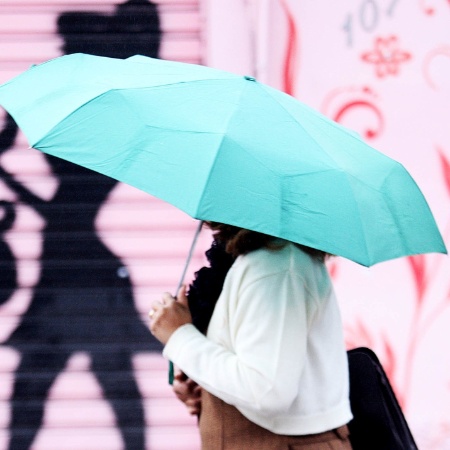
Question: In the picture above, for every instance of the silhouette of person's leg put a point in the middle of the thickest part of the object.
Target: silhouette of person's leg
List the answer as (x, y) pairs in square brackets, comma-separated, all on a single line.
[(114, 372), (34, 376)]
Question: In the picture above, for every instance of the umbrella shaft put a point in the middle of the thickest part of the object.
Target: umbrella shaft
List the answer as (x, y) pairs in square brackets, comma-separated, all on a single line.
[(189, 257)]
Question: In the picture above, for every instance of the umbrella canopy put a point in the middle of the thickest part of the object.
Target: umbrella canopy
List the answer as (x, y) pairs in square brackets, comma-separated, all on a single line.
[(224, 148)]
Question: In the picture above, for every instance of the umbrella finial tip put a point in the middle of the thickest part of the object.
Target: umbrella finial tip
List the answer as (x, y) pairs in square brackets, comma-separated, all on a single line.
[(249, 78)]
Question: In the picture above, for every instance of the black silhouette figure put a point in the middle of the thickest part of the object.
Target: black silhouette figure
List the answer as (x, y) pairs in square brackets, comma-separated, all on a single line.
[(8, 272), (134, 29), (84, 299)]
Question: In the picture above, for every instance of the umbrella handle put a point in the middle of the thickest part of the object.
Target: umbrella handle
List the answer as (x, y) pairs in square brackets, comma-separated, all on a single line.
[(171, 373), (180, 283)]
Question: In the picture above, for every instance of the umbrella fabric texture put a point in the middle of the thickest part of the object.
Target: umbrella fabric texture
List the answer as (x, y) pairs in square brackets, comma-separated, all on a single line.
[(224, 148)]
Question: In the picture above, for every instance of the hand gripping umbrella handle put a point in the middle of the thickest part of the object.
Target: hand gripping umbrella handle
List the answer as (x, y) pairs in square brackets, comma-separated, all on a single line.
[(180, 283)]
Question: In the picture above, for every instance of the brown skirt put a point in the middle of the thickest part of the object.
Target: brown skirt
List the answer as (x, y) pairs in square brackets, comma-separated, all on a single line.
[(223, 427)]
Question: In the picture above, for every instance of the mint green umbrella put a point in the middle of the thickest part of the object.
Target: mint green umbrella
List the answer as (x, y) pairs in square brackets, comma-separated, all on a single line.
[(224, 148)]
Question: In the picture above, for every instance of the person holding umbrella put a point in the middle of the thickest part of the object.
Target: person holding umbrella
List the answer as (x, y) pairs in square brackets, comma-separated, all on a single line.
[(272, 366), (273, 356)]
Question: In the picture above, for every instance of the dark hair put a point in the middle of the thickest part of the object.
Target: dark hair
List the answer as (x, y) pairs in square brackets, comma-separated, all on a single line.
[(240, 241)]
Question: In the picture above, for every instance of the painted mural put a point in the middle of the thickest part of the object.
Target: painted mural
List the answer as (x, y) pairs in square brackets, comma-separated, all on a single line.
[(79, 314), (381, 68)]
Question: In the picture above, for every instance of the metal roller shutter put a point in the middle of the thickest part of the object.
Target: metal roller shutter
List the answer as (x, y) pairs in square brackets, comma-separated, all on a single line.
[(82, 257)]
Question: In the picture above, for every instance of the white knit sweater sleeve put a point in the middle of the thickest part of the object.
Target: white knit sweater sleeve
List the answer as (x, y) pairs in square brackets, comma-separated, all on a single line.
[(255, 355)]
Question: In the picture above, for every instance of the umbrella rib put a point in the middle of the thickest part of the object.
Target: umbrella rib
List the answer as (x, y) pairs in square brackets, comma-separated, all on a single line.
[(363, 231)]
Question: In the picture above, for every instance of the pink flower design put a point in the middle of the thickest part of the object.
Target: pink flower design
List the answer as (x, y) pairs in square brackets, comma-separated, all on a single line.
[(386, 56)]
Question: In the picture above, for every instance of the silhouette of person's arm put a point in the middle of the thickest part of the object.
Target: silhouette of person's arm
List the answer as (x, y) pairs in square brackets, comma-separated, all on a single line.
[(7, 138), (8, 134), (8, 278), (24, 194)]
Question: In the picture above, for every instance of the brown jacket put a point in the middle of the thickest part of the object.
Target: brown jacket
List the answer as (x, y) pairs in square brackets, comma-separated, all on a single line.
[(223, 427)]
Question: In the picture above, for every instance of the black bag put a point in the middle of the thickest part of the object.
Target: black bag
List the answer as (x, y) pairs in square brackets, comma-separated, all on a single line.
[(378, 422)]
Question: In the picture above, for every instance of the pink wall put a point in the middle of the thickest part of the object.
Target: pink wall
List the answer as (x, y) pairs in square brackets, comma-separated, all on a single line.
[(151, 238), (382, 68)]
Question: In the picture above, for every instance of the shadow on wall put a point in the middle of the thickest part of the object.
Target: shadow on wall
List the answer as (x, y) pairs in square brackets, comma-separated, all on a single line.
[(133, 29), (83, 300)]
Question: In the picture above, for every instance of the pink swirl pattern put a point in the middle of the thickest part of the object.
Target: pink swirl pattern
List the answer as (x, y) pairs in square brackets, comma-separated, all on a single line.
[(443, 51), (341, 101), (290, 64)]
